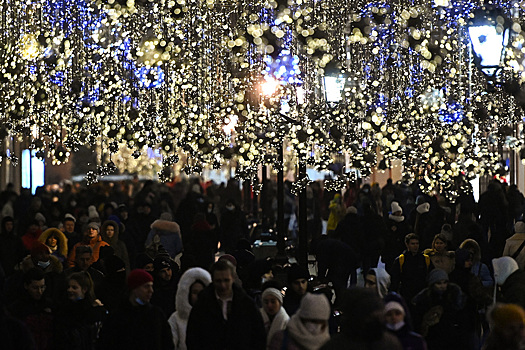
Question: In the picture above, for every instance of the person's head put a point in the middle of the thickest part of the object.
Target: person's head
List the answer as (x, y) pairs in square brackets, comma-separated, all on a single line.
[(83, 257), (52, 240), (396, 209), (438, 280), (162, 266), (503, 268), (412, 243), (272, 300), (110, 230), (394, 315), (222, 275), (509, 324), (463, 259), (439, 243), (314, 312), (371, 280), (69, 223), (40, 255), (230, 205), (8, 225), (140, 286), (145, 262), (473, 247), (35, 283), (195, 289), (362, 314), (80, 286), (93, 228), (298, 277)]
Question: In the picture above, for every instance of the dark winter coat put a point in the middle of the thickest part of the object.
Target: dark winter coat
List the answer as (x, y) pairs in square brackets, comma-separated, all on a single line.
[(136, 328), (513, 290), (207, 328), (341, 341), (409, 340), (409, 279), (119, 247)]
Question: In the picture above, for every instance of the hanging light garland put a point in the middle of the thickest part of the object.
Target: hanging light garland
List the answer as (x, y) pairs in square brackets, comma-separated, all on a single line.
[(214, 81)]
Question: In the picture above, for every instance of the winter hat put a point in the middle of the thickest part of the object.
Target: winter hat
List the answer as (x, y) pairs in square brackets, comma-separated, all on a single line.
[(505, 315), (351, 210), (394, 305), (275, 292), (230, 258), (436, 275), (420, 200), (70, 217), (519, 227), (94, 225), (137, 278), (423, 208), (92, 212), (196, 188), (396, 207), (296, 272), (39, 248), (503, 268), (161, 262), (166, 216), (314, 307), (142, 260), (40, 217), (446, 230)]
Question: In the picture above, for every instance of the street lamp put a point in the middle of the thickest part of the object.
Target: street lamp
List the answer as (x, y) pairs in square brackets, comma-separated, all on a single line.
[(489, 33), (334, 83)]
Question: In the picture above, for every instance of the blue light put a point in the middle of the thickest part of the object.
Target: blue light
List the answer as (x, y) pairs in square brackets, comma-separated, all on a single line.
[(285, 67), (152, 77), (453, 113)]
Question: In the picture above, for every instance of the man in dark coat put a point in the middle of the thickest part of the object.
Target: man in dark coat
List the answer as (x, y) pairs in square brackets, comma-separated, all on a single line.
[(137, 324), (224, 317), (410, 269)]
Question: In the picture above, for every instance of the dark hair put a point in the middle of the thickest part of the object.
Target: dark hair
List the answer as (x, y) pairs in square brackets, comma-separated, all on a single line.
[(189, 291), (411, 236), (33, 274), (222, 265), (85, 282), (81, 249)]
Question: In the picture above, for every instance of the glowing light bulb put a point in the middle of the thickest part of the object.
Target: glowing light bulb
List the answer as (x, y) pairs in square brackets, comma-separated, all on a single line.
[(269, 87)]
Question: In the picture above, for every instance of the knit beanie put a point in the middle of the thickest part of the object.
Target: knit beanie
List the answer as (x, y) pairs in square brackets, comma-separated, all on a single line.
[(94, 225), (437, 275), (314, 307), (423, 208), (230, 258), (519, 227), (506, 314), (351, 210), (70, 217), (161, 262), (394, 305), (40, 217), (92, 212), (396, 207), (273, 291), (296, 272), (137, 278), (39, 248)]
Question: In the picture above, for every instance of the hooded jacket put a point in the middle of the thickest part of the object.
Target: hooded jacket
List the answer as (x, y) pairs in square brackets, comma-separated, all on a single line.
[(169, 235), (61, 238), (179, 319), (511, 247), (118, 246), (382, 281), (511, 280)]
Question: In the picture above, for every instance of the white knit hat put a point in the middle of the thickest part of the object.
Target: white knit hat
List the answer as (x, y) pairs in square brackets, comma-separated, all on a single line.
[(351, 210), (396, 207), (273, 291), (70, 217), (394, 305), (92, 212), (314, 307), (40, 217)]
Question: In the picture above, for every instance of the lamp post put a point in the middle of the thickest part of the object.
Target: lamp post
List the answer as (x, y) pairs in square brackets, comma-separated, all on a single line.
[(489, 33)]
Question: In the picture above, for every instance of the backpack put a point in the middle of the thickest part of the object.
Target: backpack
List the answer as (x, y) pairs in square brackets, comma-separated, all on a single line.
[(402, 261)]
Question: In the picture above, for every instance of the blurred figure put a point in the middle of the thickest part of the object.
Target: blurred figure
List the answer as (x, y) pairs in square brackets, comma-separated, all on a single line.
[(274, 316), (508, 331), (298, 277), (337, 212), (395, 314), (378, 280)]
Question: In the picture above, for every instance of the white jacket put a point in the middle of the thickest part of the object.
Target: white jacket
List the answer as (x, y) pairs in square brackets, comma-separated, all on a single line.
[(179, 319)]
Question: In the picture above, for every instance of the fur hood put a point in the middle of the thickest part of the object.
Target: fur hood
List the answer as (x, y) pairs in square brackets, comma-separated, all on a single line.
[(103, 234), (55, 266), (182, 301), (165, 226), (61, 238)]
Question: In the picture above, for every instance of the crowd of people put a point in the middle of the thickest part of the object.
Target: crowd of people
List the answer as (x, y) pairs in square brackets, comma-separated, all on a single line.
[(144, 265)]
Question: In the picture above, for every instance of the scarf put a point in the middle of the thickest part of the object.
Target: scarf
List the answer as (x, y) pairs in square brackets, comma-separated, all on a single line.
[(303, 337), (278, 324)]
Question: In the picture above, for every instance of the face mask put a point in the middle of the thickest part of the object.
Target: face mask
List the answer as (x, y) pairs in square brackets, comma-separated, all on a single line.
[(396, 326), (396, 218), (44, 264), (140, 302), (313, 328), (230, 207), (209, 210)]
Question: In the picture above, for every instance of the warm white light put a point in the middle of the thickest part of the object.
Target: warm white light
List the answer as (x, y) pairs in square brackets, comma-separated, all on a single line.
[(442, 3), (228, 128), (333, 87), (269, 87)]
